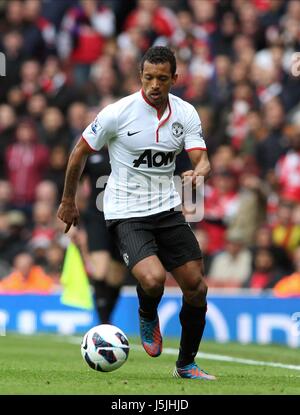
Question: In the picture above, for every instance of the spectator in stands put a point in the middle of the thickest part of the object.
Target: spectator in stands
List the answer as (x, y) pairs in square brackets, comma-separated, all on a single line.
[(231, 267), (126, 61), (30, 78), (243, 49), (56, 86), (26, 161), (27, 278), (14, 15), (275, 143), (39, 33), (46, 192), (264, 241), (210, 128), (43, 220), (239, 72), (285, 232), (17, 236), (251, 212), (222, 38), (76, 117), (201, 60), (205, 15), (256, 132), (271, 15), (54, 259), (242, 102), (5, 195), (4, 232), (220, 84), (224, 158), (265, 274), (54, 10), (54, 132), (38, 247), (43, 232), (289, 286), (7, 128), (273, 198), (289, 23), (105, 85), (267, 80), (197, 90), (220, 206), (249, 24), (186, 33), (84, 30), (288, 166), (35, 107), (16, 99), (161, 19), (12, 47), (57, 167)]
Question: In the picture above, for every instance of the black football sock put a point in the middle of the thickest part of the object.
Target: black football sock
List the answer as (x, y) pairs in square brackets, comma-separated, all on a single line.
[(148, 304), (101, 300), (192, 321), (113, 293)]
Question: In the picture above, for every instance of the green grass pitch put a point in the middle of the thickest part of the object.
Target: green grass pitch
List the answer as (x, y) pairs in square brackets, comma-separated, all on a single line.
[(52, 365)]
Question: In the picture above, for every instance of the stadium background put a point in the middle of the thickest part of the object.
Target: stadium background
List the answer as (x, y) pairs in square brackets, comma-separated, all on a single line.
[(67, 59)]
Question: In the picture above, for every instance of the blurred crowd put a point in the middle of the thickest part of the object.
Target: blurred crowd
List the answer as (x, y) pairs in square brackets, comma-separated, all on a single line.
[(67, 59)]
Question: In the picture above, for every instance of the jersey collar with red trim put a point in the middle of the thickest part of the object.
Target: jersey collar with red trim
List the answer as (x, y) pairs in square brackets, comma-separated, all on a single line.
[(153, 106)]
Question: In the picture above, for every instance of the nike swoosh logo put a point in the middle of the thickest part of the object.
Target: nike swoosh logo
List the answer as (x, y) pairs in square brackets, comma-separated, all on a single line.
[(130, 134)]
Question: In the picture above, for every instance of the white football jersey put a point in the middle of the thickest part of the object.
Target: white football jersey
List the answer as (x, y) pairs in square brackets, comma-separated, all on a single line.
[(142, 150)]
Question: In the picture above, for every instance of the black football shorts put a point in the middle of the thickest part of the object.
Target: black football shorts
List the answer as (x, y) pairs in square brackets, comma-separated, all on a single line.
[(165, 234), (99, 239)]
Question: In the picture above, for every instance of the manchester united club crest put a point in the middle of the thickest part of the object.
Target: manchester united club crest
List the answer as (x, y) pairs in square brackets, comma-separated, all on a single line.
[(126, 258), (177, 129)]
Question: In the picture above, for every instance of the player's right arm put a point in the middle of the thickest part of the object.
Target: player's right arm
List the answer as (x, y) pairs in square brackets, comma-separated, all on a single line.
[(68, 211), (96, 134)]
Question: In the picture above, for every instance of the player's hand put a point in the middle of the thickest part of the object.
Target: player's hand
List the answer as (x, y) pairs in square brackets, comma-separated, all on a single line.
[(190, 177), (68, 213)]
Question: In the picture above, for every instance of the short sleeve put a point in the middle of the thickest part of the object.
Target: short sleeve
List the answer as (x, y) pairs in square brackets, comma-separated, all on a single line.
[(102, 129), (193, 136)]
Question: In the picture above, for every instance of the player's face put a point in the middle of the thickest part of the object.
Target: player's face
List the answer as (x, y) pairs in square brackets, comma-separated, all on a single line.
[(157, 80)]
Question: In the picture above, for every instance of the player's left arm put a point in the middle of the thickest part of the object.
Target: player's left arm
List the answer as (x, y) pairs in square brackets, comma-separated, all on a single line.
[(200, 164), (195, 146)]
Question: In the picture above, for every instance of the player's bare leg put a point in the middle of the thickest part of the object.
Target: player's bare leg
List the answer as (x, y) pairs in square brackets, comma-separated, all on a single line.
[(192, 318), (151, 277)]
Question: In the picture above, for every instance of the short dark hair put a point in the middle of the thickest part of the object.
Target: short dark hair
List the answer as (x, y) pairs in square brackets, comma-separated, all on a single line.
[(159, 54)]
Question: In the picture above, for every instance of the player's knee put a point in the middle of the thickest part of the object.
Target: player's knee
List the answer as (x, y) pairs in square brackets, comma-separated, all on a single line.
[(197, 294), (153, 283), (202, 288)]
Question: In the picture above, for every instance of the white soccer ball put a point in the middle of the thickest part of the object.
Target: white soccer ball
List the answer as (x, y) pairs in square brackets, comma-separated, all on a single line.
[(105, 348)]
